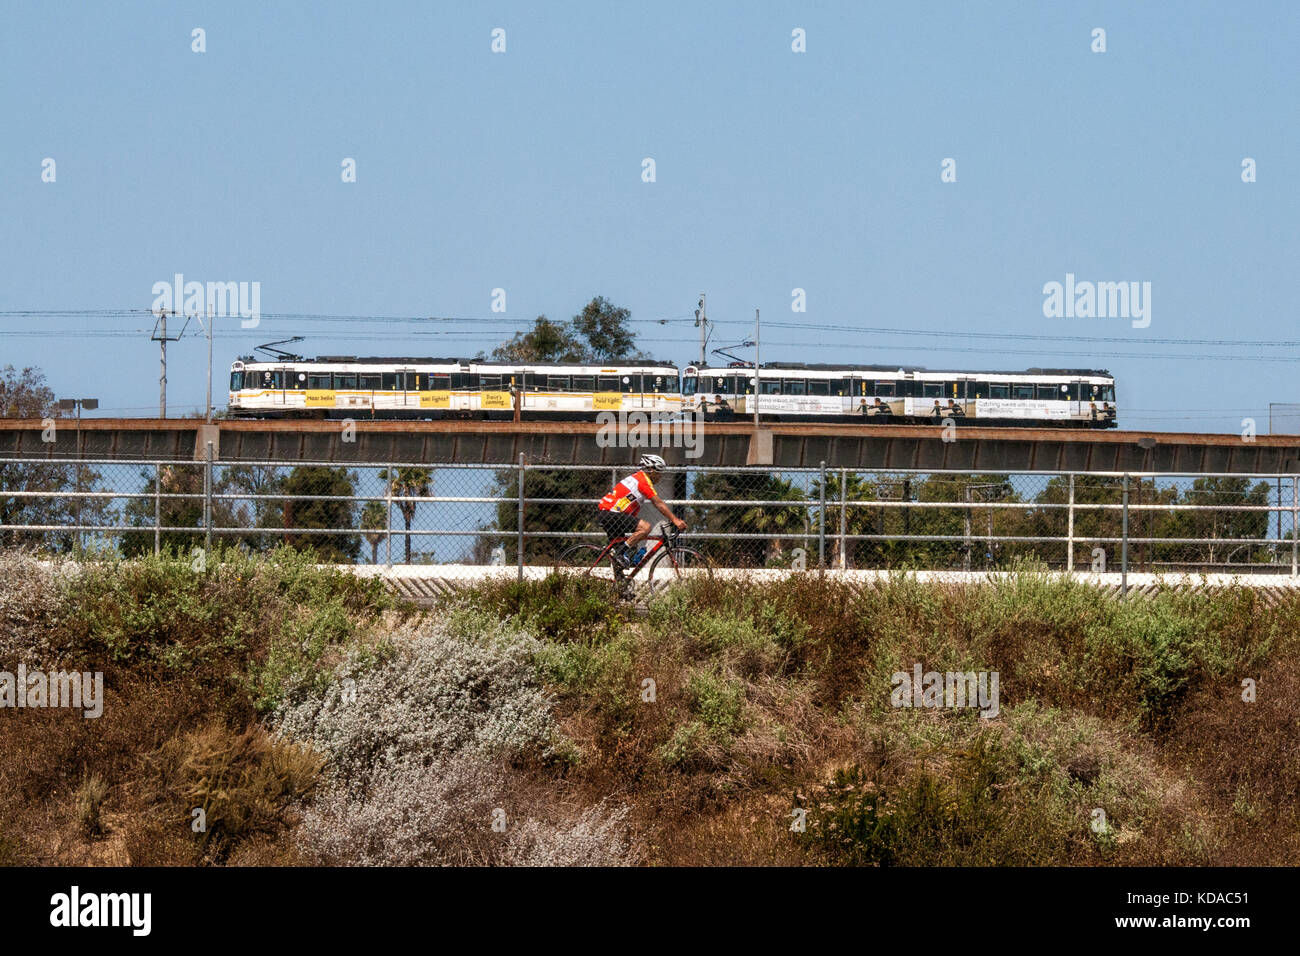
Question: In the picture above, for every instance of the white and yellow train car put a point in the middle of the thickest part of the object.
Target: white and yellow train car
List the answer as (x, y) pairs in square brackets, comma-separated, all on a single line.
[(431, 388)]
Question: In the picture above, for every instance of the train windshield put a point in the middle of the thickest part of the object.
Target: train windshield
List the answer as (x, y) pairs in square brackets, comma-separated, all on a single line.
[(236, 381)]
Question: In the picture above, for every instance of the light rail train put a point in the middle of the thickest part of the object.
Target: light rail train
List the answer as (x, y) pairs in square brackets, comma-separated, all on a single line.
[(438, 388)]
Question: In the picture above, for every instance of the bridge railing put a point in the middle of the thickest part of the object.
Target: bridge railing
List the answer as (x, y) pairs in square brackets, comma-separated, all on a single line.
[(526, 513)]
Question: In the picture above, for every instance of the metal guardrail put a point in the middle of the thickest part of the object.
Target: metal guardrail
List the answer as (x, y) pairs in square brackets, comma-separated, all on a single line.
[(741, 516)]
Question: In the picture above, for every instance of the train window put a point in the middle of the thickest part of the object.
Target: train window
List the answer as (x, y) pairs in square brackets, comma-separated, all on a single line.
[(1049, 393), (1022, 392), (296, 379), (743, 384), (413, 381), (932, 389), (557, 383), (369, 383), (721, 386), (671, 384), (819, 386), (795, 386), (999, 391), (688, 385), (631, 383), (844, 387), (771, 386), (489, 383), (321, 382), (438, 383), (1108, 393), (607, 383), (977, 389), (345, 381), (584, 383), (391, 381), (236, 381), (885, 389)]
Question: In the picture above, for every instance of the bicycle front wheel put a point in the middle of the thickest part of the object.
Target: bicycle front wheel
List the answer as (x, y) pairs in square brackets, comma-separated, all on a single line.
[(677, 564)]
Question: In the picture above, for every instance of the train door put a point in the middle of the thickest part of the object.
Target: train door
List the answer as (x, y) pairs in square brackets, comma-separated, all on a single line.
[(284, 380), (527, 383)]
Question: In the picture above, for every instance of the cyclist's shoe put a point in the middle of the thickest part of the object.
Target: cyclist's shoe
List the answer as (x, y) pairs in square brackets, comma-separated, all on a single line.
[(620, 557)]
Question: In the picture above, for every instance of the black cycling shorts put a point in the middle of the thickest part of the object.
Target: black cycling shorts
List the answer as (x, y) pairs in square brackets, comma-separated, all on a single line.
[(618, 524)]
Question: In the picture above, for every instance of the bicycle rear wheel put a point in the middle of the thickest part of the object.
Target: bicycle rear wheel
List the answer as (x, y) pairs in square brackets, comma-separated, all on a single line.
[(678, 564)]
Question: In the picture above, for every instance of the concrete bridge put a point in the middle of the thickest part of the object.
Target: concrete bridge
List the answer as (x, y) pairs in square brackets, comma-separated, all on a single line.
[(865, 447)]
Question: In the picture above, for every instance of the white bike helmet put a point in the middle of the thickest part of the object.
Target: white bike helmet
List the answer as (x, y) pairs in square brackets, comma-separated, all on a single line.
[(651, 463)]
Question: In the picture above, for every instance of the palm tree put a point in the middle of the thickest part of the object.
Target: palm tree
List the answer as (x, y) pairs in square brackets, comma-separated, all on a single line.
[(856, 520), (374, 524), (405, 484), (776, 520)]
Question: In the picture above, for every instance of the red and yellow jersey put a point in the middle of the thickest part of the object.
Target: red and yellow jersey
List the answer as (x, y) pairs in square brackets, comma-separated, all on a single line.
[(628, 494)]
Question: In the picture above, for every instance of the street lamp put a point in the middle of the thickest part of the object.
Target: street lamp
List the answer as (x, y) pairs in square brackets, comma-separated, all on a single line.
[(67, 405)]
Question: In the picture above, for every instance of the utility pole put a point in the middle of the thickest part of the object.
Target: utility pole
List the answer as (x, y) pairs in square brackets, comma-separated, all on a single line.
[(756, 385), (160, 336), (702, 323), (208, 415)]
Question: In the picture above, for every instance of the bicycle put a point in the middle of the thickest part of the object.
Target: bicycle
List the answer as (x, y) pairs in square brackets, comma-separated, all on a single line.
[(664, 560)]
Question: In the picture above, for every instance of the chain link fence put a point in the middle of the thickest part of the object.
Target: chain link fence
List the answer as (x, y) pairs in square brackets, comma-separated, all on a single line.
[(405, 513)]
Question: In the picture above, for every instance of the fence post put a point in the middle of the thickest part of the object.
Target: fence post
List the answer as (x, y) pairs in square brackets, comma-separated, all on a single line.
[(157, 509), (1295, 507), (388, 512), (844, 512), (207, 502), (1069, 531), (1123, 554), (969, 544), (821, 517), (519, 544)]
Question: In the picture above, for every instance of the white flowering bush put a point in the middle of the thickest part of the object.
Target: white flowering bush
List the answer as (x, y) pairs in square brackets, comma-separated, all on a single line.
[(30, 594), (413, 815), (465, 685), (596, 837), (442, 814)]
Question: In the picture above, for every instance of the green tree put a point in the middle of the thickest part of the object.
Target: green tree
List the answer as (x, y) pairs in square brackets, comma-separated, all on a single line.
[(405, 484), (180, 505), (306, 510), (1211, 526), (603, 326), (25, 394), (581, 489), (374, 525), (546, 342), (857, 520), (774, 522)]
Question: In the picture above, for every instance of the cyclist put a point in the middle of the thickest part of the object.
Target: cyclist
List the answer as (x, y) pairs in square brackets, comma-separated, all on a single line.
[(618, 509)]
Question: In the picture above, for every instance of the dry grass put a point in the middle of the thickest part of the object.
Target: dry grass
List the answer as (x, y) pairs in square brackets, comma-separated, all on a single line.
[(766, 698)]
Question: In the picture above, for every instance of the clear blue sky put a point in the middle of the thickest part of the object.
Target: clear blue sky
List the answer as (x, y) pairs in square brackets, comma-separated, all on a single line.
[(775, 170)]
